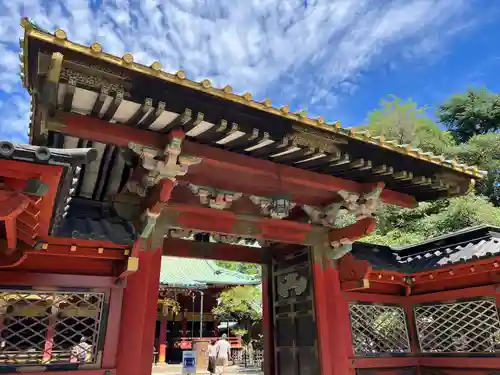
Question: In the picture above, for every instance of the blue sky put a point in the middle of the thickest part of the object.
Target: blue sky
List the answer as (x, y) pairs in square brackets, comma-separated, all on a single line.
[(334, 58)]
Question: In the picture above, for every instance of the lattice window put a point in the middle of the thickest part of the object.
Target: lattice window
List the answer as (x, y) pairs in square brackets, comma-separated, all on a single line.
[(49, 327), (469, 326), (378, 329)]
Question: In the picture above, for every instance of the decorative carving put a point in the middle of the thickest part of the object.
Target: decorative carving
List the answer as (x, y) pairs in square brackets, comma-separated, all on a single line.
[(166, 164), (314, 141), (180, 233), (316, 138), (364, 205), (266, 207), (91, 80), (289, 282), (323, 216), (214, 198), (226, 239)]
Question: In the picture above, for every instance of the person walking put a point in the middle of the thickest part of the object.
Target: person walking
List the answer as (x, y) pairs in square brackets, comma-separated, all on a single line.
[(223, 350), (212, 358)]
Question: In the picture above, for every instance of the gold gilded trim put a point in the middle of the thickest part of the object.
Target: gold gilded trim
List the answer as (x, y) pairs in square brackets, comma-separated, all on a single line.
[(127, 61)]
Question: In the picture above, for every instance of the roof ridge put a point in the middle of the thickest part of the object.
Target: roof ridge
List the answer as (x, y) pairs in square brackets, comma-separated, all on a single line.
[(228, 271), (95, 50), (445, 236)]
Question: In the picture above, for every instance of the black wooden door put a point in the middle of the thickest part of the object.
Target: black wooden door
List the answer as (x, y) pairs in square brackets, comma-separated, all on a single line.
[(295, 332)]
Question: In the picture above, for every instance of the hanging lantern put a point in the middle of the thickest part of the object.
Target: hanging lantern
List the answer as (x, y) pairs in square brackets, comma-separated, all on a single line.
[(281, 206)]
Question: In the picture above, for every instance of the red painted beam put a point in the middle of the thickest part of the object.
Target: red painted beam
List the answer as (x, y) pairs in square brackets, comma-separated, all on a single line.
[(453, 295), (226, 222), (80, 243), (461, 362), (353, 232), (372, 363), (49, 279), (11, 260), (206, 250), (79, 252), (248, 175), (374, 298)]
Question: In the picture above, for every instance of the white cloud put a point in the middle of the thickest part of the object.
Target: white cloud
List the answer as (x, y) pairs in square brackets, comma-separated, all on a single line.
[(306, 55)]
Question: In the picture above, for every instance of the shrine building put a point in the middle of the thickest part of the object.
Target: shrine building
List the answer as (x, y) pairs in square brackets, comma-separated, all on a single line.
[(195, 284), (128, 163)]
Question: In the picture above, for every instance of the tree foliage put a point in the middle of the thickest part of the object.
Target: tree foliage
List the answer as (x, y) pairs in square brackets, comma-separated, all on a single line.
[(400, 226), (482, 150), (406, 123), (239, 303), (246, 268), (471, 113)]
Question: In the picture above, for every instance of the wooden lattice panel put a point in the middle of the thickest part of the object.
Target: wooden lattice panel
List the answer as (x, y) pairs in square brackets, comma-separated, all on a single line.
[(378, 329), (49, 327), (461, 327)]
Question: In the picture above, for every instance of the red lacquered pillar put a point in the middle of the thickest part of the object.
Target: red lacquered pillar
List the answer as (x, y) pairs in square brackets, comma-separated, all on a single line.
[(137, 330), (163, 338), (332, 317), (49, 336)]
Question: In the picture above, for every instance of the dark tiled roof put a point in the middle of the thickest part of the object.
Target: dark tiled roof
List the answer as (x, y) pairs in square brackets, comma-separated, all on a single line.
[(45, 155), (91, 220), (463, 246)]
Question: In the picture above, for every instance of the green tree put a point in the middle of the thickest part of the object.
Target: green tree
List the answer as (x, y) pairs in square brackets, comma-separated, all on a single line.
[(241, 303), (406, 123), (482, 150), (246, 268), (471, 113), (399, 226)]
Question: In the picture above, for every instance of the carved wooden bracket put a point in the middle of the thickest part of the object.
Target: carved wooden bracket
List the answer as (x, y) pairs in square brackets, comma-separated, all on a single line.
[(12, 205), (323, 216), (362, 205), (353, 274), (160, 164), (266, 207), (214, 198)]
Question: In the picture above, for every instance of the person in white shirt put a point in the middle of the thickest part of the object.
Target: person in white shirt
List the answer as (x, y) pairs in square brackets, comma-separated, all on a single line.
[(223, 350), (212, 358)]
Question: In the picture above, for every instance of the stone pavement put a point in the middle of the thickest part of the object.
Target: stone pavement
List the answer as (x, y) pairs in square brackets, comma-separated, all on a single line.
[(177, 370)]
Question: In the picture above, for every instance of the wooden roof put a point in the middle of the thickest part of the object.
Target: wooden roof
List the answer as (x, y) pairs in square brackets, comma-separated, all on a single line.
[(148, 98)]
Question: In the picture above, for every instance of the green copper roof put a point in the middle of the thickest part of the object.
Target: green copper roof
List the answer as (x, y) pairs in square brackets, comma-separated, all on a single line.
[(189, 272)]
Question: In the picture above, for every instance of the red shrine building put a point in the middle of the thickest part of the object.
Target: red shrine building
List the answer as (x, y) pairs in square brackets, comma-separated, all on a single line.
[(128, 163), (189, 289)]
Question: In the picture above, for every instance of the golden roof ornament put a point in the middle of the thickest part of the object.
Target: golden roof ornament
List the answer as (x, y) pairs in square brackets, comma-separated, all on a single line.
[(206, 83), (128, 58), (96, 47), (60, 34), (156, 66)]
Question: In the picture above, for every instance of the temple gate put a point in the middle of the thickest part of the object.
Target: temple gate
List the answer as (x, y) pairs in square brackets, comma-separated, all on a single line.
[(129, 163)]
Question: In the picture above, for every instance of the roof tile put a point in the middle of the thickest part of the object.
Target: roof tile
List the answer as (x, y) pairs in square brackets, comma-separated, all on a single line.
[(191, 272)]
